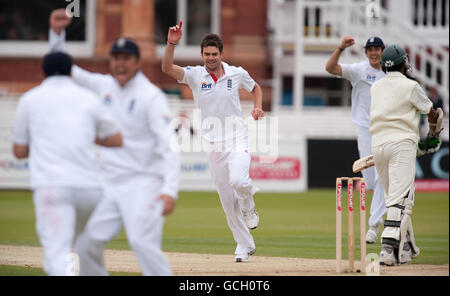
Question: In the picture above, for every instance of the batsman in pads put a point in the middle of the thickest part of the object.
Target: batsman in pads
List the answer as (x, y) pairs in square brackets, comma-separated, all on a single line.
[(216, 93), (397, 101), (362, 75)]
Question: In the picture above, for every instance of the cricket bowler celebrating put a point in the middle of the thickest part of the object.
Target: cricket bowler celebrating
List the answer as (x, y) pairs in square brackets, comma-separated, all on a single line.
[(140, 179), (362, 75), (397, 101), (56, 126), (216, 93)]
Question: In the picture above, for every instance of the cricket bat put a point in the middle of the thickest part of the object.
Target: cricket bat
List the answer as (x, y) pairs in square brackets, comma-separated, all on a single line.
[(363, 163)]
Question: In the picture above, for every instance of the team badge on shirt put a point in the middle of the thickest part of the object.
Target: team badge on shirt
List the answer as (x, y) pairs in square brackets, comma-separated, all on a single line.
[(229, 84), (131, 107), (107, 100)]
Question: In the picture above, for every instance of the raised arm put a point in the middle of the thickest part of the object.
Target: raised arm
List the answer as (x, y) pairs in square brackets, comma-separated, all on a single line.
[(59, 21), (332, 66), (167, 66)]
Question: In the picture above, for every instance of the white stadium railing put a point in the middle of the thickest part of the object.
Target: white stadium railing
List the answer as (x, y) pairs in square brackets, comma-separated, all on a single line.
[(293, 128), (324, 123), (306, 31)]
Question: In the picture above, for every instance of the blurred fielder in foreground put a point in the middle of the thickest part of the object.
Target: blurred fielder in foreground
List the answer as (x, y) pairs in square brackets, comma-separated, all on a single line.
[(216, 93), (397, 102), (140, 180), (56, 126), (362, 75)]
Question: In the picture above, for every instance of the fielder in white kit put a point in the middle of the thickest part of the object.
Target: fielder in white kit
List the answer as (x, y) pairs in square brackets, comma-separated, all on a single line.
[(362, 75), (216, 93), (56, 125), (140, 180), (397, 104)]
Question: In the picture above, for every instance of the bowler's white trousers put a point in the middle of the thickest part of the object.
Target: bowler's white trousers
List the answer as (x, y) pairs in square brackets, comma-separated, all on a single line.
[(131, 203), (377, 207), (230, 169), (61, 215)]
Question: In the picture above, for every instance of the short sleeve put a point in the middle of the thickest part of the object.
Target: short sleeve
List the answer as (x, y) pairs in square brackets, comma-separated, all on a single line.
[(420, 100), (20, 130), (247, 82), (189, 76), (350, 72)]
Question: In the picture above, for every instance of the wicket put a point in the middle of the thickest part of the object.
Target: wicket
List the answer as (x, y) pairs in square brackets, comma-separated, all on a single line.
[(351, 238)]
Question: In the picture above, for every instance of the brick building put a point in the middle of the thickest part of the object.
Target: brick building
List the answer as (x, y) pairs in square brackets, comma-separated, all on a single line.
[(241, 23)]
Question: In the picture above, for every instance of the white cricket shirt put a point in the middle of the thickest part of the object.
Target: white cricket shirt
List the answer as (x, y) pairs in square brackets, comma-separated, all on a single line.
[(395, 111), (361, 75), (59, 121), (219, 101), (143, 115)]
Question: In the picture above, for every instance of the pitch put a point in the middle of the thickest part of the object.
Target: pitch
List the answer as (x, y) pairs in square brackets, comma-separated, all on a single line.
[(297, 228)]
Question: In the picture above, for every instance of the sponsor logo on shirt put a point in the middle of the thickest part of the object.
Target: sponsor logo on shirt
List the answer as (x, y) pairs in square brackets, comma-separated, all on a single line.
[(371, 78), (206, 86), (229, 84)]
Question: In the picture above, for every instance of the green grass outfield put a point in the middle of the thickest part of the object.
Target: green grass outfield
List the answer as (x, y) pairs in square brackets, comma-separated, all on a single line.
[(291, 225), (9, 270)]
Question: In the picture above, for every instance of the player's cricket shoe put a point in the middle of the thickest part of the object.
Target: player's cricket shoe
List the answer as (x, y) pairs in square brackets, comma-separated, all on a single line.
[(387, 255), (406, 254), (372, 234), (244, 257), (251, 218)]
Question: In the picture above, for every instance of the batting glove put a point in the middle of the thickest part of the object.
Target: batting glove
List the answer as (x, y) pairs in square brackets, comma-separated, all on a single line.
[(431, 144)]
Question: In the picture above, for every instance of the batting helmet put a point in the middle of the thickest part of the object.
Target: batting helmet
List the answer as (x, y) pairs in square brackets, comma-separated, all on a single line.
[(392, 56)]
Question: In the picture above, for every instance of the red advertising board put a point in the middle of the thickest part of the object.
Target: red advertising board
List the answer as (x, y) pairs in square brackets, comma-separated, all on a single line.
[(284, 168)]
